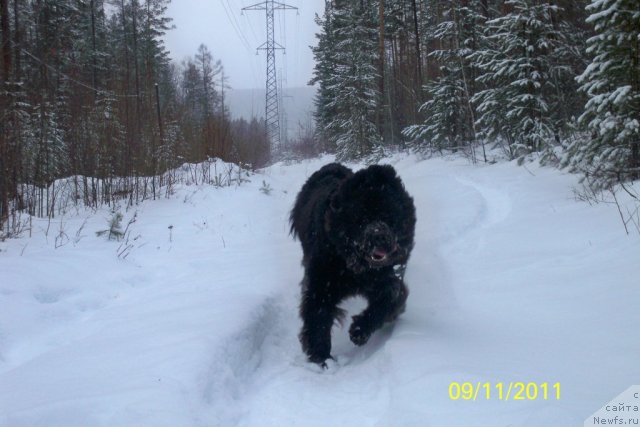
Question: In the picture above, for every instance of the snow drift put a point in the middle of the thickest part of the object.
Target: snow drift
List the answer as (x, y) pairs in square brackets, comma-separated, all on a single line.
[(511, 279)]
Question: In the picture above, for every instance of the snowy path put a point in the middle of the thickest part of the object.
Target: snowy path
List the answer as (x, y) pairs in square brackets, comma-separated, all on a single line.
[(510, 279)]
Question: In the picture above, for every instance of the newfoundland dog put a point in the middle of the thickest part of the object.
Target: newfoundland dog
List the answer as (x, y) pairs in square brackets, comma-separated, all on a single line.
[(356, 231)]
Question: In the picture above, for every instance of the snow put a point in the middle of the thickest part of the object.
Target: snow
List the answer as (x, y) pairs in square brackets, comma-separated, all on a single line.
[(511, 279)]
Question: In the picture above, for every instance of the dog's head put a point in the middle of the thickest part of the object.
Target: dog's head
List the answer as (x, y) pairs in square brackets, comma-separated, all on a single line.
[(371, 219)]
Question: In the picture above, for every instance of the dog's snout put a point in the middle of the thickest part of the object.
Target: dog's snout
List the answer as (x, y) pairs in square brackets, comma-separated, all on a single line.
[(379, 241)]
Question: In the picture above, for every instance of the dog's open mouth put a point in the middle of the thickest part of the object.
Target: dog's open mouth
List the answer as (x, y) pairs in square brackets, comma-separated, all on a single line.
[(382, 255), (379, 255)]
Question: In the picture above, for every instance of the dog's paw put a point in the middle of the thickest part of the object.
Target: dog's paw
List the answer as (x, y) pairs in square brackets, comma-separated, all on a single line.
[(327, 364), (321, 361), (330, 364), (358, 334)]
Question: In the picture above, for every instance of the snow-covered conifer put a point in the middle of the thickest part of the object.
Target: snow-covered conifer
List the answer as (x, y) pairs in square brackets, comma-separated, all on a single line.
[(612, 84), (347, 105), (449, 112), (324, 68), (517, 68)]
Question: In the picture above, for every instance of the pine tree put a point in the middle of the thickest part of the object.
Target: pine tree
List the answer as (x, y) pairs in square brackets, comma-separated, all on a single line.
[(324, 68), (352, 83), (612, 84), (516, 69), (449, 112), (209, 72), (568, 60)]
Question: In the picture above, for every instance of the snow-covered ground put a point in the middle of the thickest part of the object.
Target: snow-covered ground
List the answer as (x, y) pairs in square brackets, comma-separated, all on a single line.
[(511, 279)]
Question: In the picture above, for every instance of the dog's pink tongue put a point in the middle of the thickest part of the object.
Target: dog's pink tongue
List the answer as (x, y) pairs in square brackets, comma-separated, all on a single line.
[(379, 254)]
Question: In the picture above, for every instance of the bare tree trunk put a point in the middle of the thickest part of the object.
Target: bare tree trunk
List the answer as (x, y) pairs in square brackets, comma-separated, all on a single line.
[(134, 13), (155, 163), (418, 52), (128, 160), (467, 94), (14, 152), (16, 41), (381, 66), (94, 74), (223, 118), (6, 40), (4, 106), (136, 70)]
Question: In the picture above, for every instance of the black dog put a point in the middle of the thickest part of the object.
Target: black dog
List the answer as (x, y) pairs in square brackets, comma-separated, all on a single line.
[(357, 233)]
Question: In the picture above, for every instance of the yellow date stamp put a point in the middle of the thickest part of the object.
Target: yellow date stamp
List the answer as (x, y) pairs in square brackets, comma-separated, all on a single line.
[(514, 390)]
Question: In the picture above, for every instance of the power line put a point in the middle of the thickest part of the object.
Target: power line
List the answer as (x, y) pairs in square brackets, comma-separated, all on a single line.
[(248, 21), (237, 24), (71, 79), (237, 30), (272, 118), (249, 24), (296, 50)]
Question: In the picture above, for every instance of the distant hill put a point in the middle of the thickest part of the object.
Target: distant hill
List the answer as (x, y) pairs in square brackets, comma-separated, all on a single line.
[(297, 101)]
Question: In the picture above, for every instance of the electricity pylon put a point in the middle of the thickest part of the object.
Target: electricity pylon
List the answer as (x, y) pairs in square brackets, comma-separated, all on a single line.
[(272, 118)]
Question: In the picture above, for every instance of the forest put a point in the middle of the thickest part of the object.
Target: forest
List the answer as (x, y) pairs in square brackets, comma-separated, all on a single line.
[(558, 79), (89, 93)]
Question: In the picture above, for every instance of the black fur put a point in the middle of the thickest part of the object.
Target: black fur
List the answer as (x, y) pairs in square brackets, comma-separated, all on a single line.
[(357, 232)]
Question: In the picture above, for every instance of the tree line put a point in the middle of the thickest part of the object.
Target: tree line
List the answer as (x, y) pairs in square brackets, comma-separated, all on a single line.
[(88, 90), (561, 79)]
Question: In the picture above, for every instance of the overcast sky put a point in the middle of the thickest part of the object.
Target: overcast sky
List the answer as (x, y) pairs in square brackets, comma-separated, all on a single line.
[(233, 37)]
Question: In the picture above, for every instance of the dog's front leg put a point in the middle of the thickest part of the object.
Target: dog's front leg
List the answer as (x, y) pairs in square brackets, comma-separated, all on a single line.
[(318, 314), (386, 303)]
